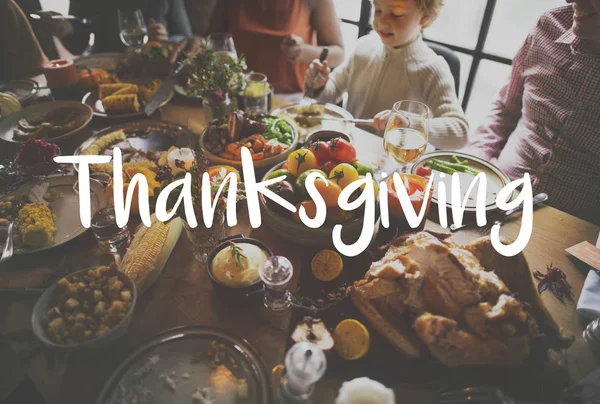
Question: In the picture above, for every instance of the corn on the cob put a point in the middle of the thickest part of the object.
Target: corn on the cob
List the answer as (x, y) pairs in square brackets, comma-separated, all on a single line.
[(146, 92), (104, 90), (35, 222), (121, 103), (129, 89), (149, 250), (103, 142)]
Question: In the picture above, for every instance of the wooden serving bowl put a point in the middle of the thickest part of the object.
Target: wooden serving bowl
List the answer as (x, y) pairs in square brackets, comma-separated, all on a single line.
[(300, 234)]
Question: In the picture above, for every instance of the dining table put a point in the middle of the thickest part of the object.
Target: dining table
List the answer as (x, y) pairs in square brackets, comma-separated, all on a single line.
[(184, 296)]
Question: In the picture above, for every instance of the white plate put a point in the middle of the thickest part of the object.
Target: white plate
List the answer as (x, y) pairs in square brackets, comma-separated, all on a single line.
[(331, 111), (10, 123), (496, 179), (91, 99), (65, 209)]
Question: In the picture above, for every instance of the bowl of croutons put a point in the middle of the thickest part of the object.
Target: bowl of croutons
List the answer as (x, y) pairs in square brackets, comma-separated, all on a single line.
[(89, 308)]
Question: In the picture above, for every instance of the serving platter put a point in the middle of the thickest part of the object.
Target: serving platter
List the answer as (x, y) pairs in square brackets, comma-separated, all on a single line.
[(331, 111), (38, 111), (65, 209), (181, 355), (91, 99), (145, 135), (496, 178), (106, 61)]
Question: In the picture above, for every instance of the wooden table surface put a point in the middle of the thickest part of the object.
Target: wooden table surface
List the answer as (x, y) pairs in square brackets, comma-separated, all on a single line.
[(183, 295)]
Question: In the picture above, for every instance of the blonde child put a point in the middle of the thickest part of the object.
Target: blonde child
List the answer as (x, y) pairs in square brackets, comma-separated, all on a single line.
[(393, 63)]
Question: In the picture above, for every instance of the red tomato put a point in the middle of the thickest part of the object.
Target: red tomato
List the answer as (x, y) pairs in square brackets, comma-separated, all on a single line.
[(342, 151), (416, 183), (412, 187), (328, 166), (321, 151), (423, 171), (285, 165)]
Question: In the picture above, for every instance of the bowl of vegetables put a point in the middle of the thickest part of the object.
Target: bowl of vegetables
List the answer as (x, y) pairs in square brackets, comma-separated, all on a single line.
[(269, 139), (336, 160)]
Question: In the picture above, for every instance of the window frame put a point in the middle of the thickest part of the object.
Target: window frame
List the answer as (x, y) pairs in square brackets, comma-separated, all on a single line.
[(478, 54)]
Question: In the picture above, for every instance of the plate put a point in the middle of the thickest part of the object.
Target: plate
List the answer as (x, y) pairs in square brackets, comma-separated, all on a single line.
[(10, 123), (22, 89), (91, 99), (180, 351), (106, 61), (146, 135), (65, 209), (496, 179), (331, 110)]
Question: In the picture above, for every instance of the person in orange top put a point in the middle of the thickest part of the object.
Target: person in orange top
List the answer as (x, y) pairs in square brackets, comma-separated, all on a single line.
[(278, 37), (281, 37)]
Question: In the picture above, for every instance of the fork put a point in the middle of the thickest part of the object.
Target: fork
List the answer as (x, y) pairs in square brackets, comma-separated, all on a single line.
[(306, 100), (8, 247), (481, 395)]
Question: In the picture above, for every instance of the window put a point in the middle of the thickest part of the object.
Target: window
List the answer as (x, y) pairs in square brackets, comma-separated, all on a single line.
[(485, 35)]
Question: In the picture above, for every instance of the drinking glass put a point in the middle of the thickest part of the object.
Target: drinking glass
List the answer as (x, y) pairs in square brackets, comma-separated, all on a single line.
[(276, 274), (132, 28), (405, 138), (221, 44), (256, 94), (111, 238)]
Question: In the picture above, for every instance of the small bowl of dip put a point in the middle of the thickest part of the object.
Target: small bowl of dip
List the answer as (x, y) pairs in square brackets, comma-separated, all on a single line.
[(233, 265)]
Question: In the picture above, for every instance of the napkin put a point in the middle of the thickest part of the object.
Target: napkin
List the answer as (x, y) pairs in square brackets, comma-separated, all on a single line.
[(589, 300)]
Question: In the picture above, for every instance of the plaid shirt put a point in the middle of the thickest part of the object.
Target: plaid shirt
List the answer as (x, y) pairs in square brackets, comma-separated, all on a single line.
[(546, 120)]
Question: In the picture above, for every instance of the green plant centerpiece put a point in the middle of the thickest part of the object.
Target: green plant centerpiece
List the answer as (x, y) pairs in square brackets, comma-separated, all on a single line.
[(215, 78)]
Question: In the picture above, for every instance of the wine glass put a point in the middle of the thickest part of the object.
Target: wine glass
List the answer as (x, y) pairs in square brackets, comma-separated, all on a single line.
[(256, 94), (221, 44), (132, 28), (405, 138)]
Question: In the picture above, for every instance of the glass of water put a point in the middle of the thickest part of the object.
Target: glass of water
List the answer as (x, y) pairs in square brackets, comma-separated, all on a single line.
[(276, 274), (111, 238), (132, 28)]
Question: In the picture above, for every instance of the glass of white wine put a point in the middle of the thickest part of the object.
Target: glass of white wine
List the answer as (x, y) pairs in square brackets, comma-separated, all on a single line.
[(221, 43), (405, 138), (132, 28)]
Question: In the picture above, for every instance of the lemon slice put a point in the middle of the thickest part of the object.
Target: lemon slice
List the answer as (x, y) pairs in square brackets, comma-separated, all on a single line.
[(327, 265), (352, 339)]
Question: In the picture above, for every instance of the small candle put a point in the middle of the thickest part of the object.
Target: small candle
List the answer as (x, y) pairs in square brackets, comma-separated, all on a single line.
[(60, 73), (365, 391), (180, 160)]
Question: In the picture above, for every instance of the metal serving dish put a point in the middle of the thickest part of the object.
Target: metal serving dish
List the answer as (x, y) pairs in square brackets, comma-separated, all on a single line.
[(182, 355)]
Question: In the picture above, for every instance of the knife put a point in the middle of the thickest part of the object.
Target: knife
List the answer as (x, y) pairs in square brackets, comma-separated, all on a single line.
[(537, 199), (167, 86)]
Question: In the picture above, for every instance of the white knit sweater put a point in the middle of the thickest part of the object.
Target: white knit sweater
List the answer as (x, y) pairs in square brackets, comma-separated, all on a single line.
[(376, 76)]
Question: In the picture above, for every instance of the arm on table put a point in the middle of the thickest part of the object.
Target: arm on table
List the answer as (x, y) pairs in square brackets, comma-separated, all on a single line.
[(490, 137), (449, 126), (20, 53)]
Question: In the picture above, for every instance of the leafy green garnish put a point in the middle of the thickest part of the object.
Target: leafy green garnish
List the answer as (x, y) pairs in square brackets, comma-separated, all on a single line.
[(237, 253)]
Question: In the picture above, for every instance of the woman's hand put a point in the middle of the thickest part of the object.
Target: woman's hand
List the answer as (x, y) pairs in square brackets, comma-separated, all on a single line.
[(157, 31), (322, 70), (380, 120), (191, 45), (291, 46)]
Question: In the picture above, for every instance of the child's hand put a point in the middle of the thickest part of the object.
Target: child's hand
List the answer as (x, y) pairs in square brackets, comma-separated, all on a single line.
[(323, 71), (380, 120)]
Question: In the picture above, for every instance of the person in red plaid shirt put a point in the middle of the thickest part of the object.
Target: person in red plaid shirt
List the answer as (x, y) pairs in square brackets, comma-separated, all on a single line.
[(546, 120)]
